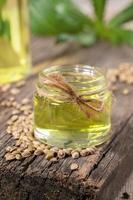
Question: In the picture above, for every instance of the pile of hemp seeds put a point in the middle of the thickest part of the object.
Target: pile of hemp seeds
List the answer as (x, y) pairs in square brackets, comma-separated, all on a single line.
[(121, 74), (20, 124)]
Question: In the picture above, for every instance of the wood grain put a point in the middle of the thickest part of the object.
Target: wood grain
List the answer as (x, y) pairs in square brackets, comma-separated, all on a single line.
[(100, 176)]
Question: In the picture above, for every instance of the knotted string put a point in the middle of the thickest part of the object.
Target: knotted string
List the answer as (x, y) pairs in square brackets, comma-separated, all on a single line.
[(57, 80)]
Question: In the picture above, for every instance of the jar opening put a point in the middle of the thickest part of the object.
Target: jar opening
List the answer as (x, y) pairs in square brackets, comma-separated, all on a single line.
[(81, 77)]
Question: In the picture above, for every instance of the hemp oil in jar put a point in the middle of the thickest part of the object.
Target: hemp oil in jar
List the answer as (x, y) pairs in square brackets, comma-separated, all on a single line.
[(72, 107)]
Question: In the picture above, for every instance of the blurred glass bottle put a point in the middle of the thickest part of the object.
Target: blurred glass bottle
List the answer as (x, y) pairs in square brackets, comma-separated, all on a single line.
[(14, 40)]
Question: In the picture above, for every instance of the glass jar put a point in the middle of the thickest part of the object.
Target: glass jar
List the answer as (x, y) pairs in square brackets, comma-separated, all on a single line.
[(72, 106), (14, 40)]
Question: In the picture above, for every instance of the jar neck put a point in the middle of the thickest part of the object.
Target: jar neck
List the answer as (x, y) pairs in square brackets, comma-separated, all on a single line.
[(83, 79), (62, 86)]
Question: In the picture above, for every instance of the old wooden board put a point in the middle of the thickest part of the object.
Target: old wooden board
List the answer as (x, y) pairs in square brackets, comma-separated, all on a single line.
[(100, 176)]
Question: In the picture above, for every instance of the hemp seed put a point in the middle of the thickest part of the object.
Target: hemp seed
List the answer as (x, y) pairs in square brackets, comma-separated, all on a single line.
[(74, 166), (75, 155), (14, 91)]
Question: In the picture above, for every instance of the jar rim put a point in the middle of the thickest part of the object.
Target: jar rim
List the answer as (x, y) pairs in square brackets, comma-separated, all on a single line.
[(96, 80)]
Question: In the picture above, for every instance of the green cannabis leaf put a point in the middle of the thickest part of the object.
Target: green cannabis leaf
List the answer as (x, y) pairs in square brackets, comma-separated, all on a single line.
[(83, 38), (63, 19), (125, 15), (99, 7), (51, 17), (120, 36)]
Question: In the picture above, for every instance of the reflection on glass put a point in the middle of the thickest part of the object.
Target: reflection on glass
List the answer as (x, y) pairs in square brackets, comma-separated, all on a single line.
[(14, 39)]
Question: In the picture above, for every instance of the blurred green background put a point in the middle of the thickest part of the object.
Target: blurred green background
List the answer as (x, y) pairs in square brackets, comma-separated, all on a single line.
[(71, 20)]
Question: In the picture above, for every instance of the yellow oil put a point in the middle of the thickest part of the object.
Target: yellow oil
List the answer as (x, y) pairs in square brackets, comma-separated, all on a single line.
[(14, 39), (64, 124)]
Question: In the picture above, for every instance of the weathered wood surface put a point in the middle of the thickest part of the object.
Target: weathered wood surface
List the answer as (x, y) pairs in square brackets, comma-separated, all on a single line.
[(99, 177)]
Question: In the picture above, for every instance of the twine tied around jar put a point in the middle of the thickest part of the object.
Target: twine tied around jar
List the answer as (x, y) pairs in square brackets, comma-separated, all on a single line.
[(57, 80)]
